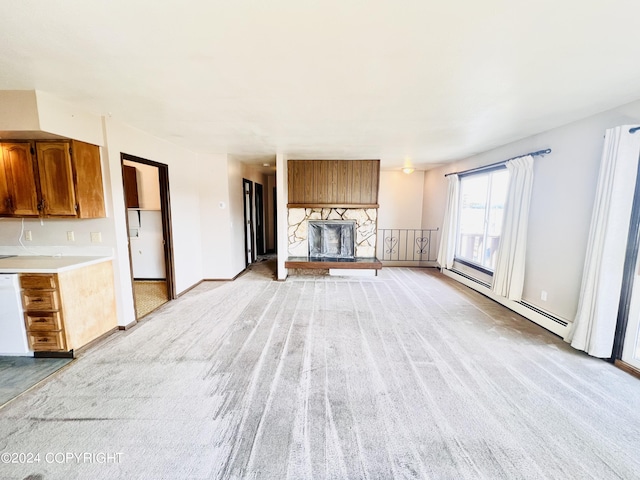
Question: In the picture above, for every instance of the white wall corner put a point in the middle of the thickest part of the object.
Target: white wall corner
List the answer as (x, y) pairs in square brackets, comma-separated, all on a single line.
[(68, 120), (18, 111), (282, 194), (115, 203), (236, 251)]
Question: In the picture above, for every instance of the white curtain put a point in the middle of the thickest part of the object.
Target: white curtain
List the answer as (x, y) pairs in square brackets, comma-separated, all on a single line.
[(447, 248), (508, 275), (594, 327)]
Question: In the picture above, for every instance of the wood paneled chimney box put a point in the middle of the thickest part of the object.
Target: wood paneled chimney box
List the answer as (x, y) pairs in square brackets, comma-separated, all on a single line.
[(338, 190), (333, 183)]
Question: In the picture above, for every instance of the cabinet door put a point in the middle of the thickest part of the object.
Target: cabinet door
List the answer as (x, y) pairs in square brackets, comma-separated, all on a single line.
[(20, 178), (88, 180), (56, 179), (130, 178), (5, 181)]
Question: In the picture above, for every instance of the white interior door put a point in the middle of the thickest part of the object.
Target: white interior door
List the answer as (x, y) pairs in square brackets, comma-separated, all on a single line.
[(631, 347)]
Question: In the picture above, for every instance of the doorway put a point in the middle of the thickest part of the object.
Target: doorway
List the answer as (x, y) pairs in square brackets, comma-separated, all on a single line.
[(249, 241), (146, 189), (260, 245)]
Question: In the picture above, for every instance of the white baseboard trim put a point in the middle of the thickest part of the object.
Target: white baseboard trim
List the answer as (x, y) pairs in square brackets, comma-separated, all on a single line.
[(556, 326)]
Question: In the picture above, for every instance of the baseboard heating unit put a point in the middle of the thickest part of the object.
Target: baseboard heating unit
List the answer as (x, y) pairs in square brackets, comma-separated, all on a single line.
[(552, 323)]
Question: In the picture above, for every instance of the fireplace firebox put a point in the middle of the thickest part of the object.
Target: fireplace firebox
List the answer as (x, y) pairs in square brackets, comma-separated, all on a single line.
[(331, 238)]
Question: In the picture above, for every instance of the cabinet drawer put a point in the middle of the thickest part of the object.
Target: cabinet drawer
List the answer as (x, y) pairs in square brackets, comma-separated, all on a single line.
[(45, 321), (28, 281), (34, 300), (46, 341)]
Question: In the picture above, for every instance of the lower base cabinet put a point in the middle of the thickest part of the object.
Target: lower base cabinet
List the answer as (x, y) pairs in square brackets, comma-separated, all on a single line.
[(67, 310)]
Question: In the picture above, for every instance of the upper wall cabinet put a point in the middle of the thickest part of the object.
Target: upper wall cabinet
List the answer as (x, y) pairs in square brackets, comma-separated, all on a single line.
[(51, 179), (85, 162), (130, 179), (333, 183), (18, 192), (57, 194)]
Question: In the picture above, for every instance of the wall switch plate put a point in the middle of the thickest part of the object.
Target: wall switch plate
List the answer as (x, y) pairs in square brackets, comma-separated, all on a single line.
[(96, 237), (543, 296), (27, 235), (71, 237)]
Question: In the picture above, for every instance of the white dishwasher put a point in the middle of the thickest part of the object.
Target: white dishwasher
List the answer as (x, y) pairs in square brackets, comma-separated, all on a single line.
[(13, 335)]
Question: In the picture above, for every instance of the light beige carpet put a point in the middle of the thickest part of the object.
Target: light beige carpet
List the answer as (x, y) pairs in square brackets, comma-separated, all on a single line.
[(405, 375)]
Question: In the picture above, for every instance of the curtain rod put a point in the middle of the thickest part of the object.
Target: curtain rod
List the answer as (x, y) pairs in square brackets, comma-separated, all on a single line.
[(478, 169), (634, 129)]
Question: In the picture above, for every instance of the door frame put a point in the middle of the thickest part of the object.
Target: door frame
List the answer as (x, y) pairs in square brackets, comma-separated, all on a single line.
[(248, 242), (275, 219), (259, 217), (165, 212), (630, 262)]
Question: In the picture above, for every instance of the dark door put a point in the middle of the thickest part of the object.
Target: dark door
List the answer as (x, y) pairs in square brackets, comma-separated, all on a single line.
[(247, 187), (275, 220), (259, 220)]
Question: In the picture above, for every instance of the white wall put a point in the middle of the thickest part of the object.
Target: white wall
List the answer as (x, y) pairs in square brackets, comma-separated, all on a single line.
[(282, 194), (222, 251), (147, 244), (63, 118), (18, 111), (561, 204), (236, 206), (400, 197), (148, 182)]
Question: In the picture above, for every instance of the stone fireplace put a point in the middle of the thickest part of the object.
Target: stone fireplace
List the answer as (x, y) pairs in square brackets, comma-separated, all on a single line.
[(357, 226), (331, 238)]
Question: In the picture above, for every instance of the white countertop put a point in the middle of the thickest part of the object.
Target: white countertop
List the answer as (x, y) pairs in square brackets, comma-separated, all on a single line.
[(46, 264)]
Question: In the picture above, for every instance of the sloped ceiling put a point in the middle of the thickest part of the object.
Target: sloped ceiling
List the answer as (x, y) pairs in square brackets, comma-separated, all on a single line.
[(408, 82)]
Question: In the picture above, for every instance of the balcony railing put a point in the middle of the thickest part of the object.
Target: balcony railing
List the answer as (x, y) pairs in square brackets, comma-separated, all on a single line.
[(406, 246)]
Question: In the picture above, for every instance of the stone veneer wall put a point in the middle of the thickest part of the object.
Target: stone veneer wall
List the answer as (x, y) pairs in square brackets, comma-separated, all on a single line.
[(366, 228)]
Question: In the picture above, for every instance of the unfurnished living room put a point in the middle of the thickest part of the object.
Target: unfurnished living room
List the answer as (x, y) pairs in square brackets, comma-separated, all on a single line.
[(319, 240)]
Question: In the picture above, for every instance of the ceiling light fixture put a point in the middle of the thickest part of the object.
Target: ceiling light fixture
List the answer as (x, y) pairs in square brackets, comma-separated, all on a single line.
[(265, 164), (408, 170)]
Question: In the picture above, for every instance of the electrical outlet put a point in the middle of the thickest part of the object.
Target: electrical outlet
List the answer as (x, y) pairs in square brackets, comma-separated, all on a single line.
[(27, 235), (96, 237), (543, 295), (71, 237)]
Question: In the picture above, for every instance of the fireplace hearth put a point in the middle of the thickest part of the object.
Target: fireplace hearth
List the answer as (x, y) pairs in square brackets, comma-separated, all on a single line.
[(331, 238)]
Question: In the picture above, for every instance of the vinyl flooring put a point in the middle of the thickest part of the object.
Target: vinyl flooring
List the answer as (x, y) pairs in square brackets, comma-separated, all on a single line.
[(18, 374)]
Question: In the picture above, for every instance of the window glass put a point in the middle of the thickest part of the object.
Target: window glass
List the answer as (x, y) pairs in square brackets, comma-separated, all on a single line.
[(482, 198)]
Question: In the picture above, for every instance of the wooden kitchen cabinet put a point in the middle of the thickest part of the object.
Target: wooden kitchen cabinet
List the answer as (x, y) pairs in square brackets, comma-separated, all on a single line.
[(67, 310), (70, 179), (42, 315), (51, 179), (85, 161), (57, 194), (18, 191)]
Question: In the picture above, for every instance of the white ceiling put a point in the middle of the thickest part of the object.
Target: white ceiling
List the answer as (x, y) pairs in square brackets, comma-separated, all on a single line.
[(416, 81)]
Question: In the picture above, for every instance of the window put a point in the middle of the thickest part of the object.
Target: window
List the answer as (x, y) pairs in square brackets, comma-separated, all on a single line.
[(482, 197)]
